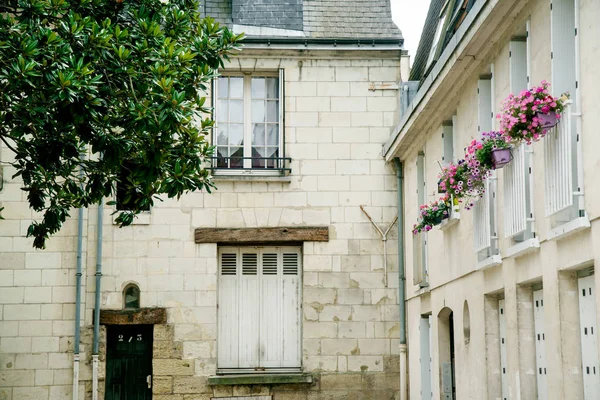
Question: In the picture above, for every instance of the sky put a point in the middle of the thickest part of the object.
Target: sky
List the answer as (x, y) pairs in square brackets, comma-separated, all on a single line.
[(410, 15)]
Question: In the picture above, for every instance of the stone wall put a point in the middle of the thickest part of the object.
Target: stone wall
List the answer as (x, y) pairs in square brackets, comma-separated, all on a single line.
[(335, 126)]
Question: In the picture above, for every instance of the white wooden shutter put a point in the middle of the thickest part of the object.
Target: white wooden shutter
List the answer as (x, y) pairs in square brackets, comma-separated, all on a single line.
[(249, 298), (563, 47), (425, 333), (291, 307), (228, 331), (518, 66), (503, 353), (271, 310), (484, 95), (540, 344), (448, 142), (482, 237), (259, 308), (515, 197), (589, 337)]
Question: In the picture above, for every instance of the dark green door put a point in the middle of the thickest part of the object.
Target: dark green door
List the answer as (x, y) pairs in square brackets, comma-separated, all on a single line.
[(129, 362)]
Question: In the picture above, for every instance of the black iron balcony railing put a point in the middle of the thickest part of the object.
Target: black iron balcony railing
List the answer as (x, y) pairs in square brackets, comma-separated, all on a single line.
[(261, 165)]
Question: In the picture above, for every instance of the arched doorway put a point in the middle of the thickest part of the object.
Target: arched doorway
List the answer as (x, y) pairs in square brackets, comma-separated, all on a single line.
[(446, 354)]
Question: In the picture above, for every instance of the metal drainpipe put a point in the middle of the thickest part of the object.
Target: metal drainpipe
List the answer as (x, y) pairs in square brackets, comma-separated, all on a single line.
[(401, 283), (77, 303), (78, 295), (97, 302)]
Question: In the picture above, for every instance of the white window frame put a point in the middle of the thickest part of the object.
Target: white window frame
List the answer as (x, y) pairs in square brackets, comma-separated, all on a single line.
[(251, 288), (281, 164)]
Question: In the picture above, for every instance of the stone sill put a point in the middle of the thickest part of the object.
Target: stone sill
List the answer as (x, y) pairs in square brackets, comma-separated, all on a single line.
[(448, 222), (568, 229), (489, 262), (259, 379), (525, 247), (252, 178)]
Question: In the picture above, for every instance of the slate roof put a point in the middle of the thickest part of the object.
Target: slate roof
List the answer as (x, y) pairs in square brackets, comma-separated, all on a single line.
[(349, 19), (427, 36), (331, 19)]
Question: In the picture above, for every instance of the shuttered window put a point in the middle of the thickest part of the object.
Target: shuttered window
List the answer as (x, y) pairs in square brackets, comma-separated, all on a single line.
[(420, 271), (259, 308)]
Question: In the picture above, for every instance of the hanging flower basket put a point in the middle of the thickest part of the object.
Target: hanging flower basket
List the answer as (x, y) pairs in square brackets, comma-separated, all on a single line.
[(501, 157), (547, 121)]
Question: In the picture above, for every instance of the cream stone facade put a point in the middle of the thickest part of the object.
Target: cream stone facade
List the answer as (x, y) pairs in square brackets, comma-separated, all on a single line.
[(481, 334), (339, 108)]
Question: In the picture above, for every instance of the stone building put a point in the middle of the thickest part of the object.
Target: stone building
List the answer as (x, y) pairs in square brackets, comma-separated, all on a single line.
[(274, 286), (501, 300)]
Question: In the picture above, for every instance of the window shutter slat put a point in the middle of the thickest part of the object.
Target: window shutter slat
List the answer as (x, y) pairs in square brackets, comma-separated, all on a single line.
[(228, 264), (269, 266), (249, 264), (290, 264)]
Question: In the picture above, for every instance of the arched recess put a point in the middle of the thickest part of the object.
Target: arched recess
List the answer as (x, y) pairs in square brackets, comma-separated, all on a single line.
[(446, 353), (131, 296), (466, 323)]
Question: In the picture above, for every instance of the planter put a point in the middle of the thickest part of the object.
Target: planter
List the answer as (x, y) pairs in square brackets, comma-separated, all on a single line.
[(547, 121), (501, 157)]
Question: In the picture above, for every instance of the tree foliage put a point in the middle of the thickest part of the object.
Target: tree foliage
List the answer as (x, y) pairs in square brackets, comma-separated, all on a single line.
[(95, 92)]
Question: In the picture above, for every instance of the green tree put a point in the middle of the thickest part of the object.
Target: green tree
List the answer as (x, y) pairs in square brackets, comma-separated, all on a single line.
[(95, 92)]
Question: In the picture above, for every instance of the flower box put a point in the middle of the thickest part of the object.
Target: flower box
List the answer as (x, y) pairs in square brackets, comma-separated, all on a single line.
[(547, 121), (501, 157)]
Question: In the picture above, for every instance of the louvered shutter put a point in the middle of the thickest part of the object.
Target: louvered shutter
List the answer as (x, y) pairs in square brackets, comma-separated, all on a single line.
[(249, 304), (484, 90), (271, 335), (291, 306), (589, 337), (228, 331)]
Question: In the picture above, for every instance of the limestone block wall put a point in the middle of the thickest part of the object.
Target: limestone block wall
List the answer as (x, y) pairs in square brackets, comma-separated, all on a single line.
[(335, 126)]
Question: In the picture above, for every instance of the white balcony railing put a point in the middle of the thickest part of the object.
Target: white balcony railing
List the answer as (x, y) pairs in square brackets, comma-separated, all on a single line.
[(482, 222), (515, 196), (561, 157)]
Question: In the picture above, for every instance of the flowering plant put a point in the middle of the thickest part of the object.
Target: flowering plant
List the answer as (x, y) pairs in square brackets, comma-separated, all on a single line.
[(520, 116), (433, 214), (479, 153)]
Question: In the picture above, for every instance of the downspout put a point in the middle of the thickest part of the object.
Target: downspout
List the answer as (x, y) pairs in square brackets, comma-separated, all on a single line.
[(78, 298), (97, 302), (401, 284)]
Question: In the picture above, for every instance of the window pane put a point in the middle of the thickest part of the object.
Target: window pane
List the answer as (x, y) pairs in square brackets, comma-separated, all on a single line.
[(236, 88), (236, 134), (222, 154), (272, 134), (272, 111), (258, 134), (222, 134), (258, 88), (236, 160), (258, 111), (272, 88), (236, 111), (223, 87), (221, 110), (132, 297)]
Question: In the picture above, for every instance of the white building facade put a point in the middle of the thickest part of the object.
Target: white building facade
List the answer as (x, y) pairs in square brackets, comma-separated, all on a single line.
[(501, 299), (275, 285)]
